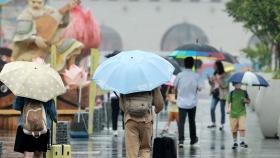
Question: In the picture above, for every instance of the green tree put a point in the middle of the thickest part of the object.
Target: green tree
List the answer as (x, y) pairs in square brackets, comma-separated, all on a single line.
[(259, 55), (261, 17)]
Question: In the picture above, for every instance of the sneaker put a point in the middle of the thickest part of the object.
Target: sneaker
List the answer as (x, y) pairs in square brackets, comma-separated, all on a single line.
[(115, 133), (181, 145), (211, 126), (235, 145), (244, 145), (221, 128), (193, 142)]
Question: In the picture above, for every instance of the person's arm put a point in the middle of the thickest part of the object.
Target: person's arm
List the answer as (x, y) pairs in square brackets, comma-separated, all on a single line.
[(157, 100), (68, 6), (228, 104), (246, 99), (171, 98), (18, 103), (50, 105), (122, 102)]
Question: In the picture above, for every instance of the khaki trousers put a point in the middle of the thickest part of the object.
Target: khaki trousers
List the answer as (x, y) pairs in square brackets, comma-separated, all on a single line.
[(138, 138)]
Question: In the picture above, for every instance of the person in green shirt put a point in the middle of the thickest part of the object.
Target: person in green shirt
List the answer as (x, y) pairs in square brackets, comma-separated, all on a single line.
[(236, 108)]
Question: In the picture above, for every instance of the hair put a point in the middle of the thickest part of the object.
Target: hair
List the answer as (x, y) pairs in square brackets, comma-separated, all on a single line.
[(189, 62), (32, 101), (235, 83), (171, 90), (219, 68)]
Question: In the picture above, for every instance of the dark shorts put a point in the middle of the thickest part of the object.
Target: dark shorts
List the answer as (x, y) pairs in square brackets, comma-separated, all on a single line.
[(29, 143)]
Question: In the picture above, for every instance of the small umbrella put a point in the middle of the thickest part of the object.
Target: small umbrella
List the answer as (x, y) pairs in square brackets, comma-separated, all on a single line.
[(133, 71), (248, 78), (32, 80), (198, 51)]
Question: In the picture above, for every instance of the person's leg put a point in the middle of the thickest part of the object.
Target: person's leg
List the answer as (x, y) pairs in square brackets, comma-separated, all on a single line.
[(28, 154), (132, 142), (242, 124), (177, 120), (170, 117), (146, 134), (192, 128), (214, 103), (122, 113), (182, 118), (38, 154), (223, 113), (234, 129), (115, 113)]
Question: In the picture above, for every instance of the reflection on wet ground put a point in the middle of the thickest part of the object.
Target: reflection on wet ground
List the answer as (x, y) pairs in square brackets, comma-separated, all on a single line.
[(212, 142)]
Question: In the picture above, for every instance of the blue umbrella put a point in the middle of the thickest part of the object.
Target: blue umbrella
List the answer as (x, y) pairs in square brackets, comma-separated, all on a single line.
[(133, 71), (248, 78), (4, 2)]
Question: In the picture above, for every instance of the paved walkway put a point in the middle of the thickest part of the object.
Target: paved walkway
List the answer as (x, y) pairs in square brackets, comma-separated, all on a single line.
[(212, 142)]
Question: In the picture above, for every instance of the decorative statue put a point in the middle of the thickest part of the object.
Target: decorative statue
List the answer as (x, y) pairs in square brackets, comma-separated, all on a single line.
[(39, 27)]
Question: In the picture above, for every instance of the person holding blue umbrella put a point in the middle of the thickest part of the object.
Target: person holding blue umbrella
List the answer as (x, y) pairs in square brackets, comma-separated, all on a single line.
[(236, 102), (236, 108), (136, 75)]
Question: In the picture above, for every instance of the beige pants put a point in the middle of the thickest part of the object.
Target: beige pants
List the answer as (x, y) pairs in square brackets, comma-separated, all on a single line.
[(238, 124), (138, 138)]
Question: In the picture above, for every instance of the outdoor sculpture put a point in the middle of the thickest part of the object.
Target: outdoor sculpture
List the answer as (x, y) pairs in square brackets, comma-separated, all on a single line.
[(39, 27)]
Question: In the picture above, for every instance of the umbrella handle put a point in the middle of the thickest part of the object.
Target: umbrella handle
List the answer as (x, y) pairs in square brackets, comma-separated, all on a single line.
[(79, 101), (116, 95)]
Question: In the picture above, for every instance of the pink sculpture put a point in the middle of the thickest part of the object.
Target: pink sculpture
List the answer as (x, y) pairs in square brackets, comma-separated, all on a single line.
[(83, 27), (75, 77)]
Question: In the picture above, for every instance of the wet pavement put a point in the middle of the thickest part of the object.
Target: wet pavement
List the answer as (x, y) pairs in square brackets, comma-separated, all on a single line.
[(212, 142)]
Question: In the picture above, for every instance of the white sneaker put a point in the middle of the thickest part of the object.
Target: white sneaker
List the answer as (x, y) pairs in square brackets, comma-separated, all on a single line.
[(115, 133)]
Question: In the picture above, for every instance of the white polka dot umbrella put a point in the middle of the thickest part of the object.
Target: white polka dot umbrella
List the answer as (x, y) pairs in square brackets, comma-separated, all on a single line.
[(32, 80)]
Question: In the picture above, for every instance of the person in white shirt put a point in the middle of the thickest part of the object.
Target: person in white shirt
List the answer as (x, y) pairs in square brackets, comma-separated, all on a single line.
[(187, 87)]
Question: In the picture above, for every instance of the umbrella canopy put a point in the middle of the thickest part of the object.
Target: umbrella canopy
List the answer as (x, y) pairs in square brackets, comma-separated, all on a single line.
[(32, 80), (133, 71), (175, 64), (2, 2), (229, 58), (248, 78), (197, 51), (198, 47), (112, 54)]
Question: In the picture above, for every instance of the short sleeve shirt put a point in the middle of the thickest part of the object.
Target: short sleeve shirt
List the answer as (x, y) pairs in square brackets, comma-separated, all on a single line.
[(238, 107)]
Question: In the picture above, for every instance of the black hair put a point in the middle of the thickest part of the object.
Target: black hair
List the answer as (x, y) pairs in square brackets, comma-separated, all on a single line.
[(189, 62), (219, 68)]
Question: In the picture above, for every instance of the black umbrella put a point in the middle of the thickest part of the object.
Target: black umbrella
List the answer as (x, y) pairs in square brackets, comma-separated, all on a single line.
[(175, 64), (198, 47), (230, 58), (112, 54)]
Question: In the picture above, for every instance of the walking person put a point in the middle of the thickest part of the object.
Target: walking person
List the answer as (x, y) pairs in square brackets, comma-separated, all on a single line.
[(115, 113), (236, 107), (219, 92), (187, 86), (34, 114), (138, 119), (173, 112)]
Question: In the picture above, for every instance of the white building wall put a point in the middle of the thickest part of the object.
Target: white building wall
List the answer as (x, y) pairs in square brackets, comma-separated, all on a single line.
[(142, 24)]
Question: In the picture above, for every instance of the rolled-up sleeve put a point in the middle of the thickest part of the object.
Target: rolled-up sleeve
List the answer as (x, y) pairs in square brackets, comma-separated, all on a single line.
[(158, 100)]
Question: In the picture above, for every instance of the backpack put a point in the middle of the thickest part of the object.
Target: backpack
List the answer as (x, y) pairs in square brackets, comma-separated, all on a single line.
[(138, 104), (34, 119), (245, 95)]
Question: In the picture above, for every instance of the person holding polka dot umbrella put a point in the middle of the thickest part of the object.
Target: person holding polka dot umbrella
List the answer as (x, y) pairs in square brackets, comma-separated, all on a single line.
[(35, 85)]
